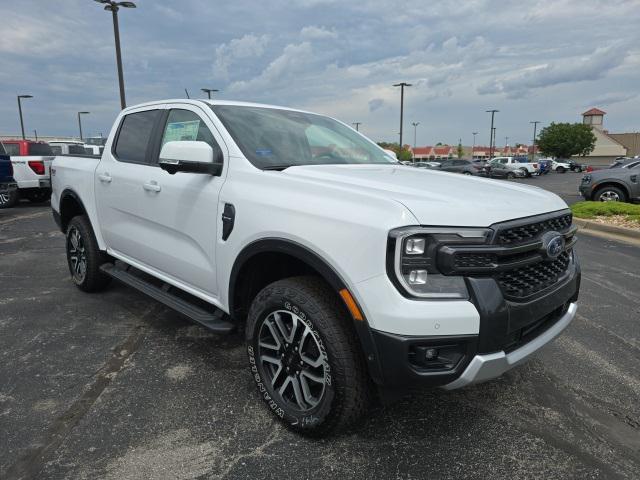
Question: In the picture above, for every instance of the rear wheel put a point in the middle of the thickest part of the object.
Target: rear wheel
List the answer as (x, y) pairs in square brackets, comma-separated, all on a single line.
[(84, 257), (304, 356), (560, 170), (610, 194), (8, 199), (525, 172)]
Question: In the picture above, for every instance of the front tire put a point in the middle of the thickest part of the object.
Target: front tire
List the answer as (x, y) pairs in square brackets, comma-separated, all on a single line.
[(305, 358), (84, 257), (511, 176), (560, 170)]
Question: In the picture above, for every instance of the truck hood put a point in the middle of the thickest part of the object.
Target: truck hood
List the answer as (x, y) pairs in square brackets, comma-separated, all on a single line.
[(437, 198)]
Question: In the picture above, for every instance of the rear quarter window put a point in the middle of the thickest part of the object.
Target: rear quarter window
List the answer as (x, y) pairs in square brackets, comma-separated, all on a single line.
[(12, 149)]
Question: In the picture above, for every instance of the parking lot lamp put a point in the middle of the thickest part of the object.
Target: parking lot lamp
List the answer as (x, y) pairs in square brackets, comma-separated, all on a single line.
[(113, 7), (401, 85), (80, 122), (209, 91), (492, 112), (415, 132), (473, 148), (20, 97), (357, 125), (533, 144)]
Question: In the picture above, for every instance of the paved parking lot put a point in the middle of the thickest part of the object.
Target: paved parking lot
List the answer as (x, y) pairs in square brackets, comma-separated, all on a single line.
[(115, 386), (563, 184)]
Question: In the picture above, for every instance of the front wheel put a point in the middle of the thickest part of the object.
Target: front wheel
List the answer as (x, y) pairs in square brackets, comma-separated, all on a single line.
[(511, 175), (560, 170), (84, 257), (610, 194), (304, 357)]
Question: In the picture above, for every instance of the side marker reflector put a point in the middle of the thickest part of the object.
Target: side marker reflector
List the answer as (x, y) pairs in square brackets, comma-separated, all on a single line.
[(351, 305)]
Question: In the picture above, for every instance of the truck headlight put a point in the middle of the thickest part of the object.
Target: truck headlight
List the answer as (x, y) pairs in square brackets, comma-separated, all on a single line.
[(412, 260), (586, 179)]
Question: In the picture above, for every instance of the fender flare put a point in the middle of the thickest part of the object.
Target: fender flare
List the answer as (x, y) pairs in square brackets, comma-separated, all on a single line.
[(66, 193), (326, 271)]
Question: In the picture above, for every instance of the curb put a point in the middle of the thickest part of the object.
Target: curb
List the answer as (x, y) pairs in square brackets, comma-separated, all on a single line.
[(588, 226)]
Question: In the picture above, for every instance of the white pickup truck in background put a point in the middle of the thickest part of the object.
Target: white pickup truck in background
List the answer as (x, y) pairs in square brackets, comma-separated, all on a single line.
[(519, 163), (348, 272), (31, 162)]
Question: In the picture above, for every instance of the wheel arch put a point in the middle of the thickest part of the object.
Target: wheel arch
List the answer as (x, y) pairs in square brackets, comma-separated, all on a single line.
[(290, 258), (611, 183), (70, 206)]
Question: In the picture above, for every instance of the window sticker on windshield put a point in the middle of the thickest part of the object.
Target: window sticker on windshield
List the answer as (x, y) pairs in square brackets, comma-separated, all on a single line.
[(181, 131), (264, 152)]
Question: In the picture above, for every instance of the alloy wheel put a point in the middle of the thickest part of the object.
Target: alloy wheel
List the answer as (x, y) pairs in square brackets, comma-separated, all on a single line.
[(609, 196), (77, 254), (4, 198), (292, 360)]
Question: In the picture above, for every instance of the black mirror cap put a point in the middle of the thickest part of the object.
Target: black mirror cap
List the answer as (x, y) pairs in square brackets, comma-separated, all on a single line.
[(172, 167)]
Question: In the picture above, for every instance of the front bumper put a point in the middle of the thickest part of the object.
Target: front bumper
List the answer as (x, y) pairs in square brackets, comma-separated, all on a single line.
[(492, 365), (509, 333), (585, 190)]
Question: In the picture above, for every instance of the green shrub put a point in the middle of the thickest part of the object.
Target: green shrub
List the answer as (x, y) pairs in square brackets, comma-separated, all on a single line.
[(606, 209)]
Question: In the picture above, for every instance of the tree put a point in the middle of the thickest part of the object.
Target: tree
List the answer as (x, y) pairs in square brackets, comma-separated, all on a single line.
[(563, 140), (403, 154)]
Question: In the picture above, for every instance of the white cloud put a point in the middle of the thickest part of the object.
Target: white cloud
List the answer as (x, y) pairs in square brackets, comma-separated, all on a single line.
[(317, 33), (247, 47)]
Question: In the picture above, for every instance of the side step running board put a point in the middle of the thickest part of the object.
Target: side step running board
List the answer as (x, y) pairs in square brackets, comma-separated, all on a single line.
[(212, 320)]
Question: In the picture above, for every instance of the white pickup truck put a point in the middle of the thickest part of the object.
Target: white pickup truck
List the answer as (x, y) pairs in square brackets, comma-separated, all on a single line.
[(518, 163), (31, 162), (348, 272)]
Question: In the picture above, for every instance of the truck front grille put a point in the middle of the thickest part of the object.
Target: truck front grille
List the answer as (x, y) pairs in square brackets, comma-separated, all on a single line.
[(526, 281), (532, 231)]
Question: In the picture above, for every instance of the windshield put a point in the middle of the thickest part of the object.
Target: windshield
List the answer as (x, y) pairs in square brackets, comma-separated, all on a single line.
[(274, 138)]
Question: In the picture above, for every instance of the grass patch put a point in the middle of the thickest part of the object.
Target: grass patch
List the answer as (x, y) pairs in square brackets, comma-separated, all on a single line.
[(606, 209)]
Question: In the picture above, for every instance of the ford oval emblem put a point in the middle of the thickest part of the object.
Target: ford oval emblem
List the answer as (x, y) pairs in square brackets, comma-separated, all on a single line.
[(552, 245)]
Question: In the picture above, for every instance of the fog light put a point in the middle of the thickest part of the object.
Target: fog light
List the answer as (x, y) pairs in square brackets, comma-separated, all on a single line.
[(418, 277), (414, 246), (431, 353)]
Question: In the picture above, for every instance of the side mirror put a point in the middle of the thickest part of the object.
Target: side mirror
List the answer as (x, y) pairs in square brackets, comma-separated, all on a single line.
[(190, 157)]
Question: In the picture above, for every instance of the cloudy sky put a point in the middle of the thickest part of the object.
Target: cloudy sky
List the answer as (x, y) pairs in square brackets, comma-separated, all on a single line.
[(534, 60)]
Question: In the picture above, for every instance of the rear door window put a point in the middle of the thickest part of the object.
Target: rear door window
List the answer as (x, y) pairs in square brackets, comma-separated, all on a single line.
[(40, 149), (134, 136), (12, 149)]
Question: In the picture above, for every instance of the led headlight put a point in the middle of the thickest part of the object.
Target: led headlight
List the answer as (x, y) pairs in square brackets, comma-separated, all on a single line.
[(412, 261)]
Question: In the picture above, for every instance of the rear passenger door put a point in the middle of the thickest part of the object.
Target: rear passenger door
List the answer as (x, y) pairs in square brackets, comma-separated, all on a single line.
[(119, 185)]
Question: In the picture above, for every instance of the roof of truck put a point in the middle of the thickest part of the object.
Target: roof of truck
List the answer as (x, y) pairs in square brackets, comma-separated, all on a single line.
[(199, 101)]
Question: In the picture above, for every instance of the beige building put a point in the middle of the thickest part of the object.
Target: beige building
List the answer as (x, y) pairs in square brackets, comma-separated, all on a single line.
[(607, 147), (631, 141)]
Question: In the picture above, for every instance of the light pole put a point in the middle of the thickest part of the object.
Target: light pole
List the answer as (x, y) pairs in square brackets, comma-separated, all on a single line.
[(401, 85), (35, 132), (113, 7), (533, 144), (357, 125), (80, 122), (473, 148), (415, 132), (209, 91), (20, 97), (494, 137), (506, 141), (492, 112)]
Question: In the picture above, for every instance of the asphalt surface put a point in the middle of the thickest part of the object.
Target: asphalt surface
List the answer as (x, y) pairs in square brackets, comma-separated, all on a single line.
[(564, 184), (113, 385)]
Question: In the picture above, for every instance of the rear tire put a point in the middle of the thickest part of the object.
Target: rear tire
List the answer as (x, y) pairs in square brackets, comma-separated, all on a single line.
[(9, 199), (526, 172), (560, 170), (610, 194), (84, 257), (305, 358)]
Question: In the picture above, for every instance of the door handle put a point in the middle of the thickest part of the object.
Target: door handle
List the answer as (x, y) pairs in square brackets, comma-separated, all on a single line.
[(151, 186), (105, 178)]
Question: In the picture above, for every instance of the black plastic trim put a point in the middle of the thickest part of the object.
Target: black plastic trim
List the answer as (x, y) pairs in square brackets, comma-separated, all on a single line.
[(67, 192)]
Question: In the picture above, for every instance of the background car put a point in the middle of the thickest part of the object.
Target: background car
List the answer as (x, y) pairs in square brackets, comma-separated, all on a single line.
[(612, 184), (8, 187), (465, 167), (497, 169), (31, 162)]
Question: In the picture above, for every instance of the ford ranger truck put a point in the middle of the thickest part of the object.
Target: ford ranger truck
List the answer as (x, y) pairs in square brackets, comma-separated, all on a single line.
[(347, 272)]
